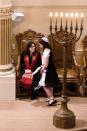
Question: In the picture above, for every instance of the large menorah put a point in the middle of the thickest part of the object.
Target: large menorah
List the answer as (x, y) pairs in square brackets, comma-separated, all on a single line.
[(65, 118)]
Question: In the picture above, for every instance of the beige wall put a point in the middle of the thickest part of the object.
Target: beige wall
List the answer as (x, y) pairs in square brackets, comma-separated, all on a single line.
[(36, 14), (50, 2), (5, 3)]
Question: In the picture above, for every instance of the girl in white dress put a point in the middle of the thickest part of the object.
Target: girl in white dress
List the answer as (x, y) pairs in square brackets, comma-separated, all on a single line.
[(48, 71)]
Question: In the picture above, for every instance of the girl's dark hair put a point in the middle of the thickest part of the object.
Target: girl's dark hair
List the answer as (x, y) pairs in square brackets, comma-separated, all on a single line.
[(29, 44), (44, 43)]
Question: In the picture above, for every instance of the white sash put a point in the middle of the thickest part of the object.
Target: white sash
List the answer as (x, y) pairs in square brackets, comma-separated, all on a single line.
[(42, 80)]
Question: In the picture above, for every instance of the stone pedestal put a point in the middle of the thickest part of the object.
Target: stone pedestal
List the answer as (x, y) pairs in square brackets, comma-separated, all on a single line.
[(7, 87)]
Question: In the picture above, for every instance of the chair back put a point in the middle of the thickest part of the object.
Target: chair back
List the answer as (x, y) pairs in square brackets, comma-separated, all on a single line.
[(58, 54), (24, 38)]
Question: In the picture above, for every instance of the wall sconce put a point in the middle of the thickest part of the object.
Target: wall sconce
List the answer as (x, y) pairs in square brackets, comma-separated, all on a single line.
[(17, 17)]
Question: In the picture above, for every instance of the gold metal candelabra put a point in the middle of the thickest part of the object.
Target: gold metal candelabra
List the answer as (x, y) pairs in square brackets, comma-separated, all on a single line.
[(65, 118)]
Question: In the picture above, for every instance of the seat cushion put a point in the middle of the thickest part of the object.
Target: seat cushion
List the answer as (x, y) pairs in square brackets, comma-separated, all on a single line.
[(72, 76)]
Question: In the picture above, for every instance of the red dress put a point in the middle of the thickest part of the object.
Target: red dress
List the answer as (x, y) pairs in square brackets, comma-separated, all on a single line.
[(26, 81)]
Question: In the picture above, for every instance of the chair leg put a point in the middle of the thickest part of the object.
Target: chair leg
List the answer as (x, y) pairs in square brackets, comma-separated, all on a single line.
[(84, 83), (30, 90), (78, 90), (59, 93), (82, 88)]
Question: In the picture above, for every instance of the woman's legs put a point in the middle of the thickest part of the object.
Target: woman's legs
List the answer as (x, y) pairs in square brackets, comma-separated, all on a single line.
[(49, 92)]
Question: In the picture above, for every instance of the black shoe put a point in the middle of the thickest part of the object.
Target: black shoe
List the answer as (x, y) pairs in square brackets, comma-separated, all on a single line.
[(33, 97), (52, 103)]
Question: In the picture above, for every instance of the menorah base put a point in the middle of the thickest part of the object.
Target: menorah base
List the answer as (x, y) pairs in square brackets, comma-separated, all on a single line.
[(64, 118)]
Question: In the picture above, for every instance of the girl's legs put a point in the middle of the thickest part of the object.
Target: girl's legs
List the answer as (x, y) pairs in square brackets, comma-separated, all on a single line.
[(49, 92)]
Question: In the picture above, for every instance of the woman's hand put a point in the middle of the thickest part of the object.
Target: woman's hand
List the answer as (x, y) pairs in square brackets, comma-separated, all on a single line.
[(24, 75), (41, 70), (28, 75)]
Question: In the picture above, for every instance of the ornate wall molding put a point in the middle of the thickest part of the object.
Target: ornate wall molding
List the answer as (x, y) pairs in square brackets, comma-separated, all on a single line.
[(52, 6), (50, 2)]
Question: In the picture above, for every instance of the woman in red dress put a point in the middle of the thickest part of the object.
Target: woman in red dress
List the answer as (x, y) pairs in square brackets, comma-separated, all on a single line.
[(29, 62)]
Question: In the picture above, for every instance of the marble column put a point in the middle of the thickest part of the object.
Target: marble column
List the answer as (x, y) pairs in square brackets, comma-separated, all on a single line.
[(7, 70), (5, 39)]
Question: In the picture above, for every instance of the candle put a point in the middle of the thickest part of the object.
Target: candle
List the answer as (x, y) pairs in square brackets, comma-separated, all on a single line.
[(76, 15), (56, 15), (67, 15), (76, 28), (71, 15), (82, 15), (51, 18), (61, 15)]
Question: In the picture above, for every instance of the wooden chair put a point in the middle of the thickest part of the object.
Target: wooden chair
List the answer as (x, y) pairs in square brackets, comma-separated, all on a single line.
[(75, 77), (22, 40), (85, 59)]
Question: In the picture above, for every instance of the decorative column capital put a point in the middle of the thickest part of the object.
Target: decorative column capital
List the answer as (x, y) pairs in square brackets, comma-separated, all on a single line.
[(6, 11)]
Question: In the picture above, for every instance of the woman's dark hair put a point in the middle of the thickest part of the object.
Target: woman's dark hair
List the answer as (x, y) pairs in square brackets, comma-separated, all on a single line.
[(29, 44), (44, 43)]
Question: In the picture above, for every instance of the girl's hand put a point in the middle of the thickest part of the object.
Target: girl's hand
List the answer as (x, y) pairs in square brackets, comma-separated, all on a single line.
[(41, 70), (25, 75), (28, 75)]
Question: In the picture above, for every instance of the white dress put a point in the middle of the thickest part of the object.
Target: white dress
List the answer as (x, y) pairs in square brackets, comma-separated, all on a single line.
[(44, 56)]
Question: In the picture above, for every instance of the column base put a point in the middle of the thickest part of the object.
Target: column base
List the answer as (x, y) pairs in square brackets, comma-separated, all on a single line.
[(8, 85), (6, 69)]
